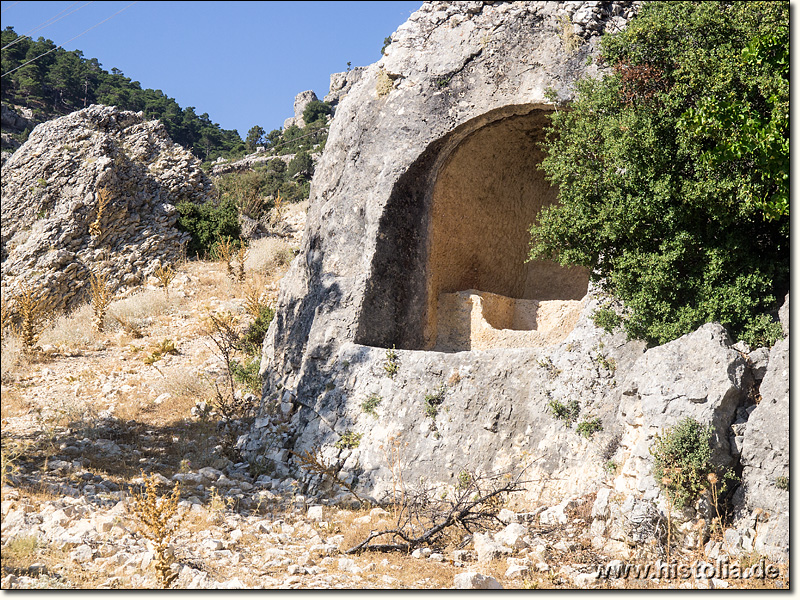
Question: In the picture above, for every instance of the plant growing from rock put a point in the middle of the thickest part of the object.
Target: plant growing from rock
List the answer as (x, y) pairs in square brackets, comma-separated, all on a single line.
[(349, 439), (370, 404), (782, 483), (572, 41), (682, 455), (101, 296), (103, 198), (565, 412), (434, 400), (158, 521), (392, 363), (589, 427)]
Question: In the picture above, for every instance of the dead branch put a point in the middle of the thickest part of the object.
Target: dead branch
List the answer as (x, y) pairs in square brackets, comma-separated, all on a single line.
[(473, 505)]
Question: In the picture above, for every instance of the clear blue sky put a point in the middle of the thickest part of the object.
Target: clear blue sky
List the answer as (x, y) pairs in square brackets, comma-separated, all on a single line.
[(240, 62)]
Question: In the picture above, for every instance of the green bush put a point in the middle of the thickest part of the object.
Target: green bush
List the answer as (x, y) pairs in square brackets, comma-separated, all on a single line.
[(315, 110), (247, 374), (207, 223), (301, 166), (606, 319), (589, 427), (672, 170), (682, 461), (253, 338)]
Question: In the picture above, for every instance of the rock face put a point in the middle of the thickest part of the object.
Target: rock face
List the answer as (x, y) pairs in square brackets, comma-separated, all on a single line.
[(94, 191), (765, 457), (412, 337), (341, 83)]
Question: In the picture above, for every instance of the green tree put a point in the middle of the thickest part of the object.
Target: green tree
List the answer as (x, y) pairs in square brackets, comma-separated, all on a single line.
[(301, 166), (675, 202), (254, 138)]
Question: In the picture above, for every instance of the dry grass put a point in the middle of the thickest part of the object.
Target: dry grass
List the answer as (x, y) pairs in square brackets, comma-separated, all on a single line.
[(268, 254), (74, 330), (12, 358), (12, 404), (137, 311)]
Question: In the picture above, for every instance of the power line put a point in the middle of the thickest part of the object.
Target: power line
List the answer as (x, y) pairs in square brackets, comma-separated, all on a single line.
[(46, 24), (68, 41), (12, 6)]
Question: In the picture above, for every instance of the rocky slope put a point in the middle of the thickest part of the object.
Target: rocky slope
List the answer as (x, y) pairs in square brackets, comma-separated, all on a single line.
[(94, 191)]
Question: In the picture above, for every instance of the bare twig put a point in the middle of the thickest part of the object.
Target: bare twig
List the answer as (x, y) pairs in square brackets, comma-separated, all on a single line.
[(425, 515)]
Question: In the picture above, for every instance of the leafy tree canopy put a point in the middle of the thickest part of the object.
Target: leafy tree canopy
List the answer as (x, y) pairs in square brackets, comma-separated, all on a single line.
[(673, 170)]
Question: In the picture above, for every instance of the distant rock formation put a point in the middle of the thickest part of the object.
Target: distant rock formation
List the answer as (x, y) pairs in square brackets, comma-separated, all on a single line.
[(302, 100), (14, 123), (95, 190)]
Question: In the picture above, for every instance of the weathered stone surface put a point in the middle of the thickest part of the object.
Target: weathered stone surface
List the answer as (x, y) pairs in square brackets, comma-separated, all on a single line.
[(52, 186), (475, 581), (697, 376), (341, 83), (765, 458)]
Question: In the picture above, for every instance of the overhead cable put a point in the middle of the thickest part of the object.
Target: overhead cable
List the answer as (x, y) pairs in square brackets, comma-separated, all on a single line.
[(47, 23), (68, 41)]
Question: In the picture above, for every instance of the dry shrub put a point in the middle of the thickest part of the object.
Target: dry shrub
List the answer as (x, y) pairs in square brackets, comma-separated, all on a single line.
[(31, 311), (165, 275), (101, 296), (73, 330), (159, 521), (268, 254)]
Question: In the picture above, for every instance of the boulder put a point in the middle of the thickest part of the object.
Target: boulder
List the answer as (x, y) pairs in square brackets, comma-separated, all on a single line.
[(94, 191), (475, 581), (697, 376)]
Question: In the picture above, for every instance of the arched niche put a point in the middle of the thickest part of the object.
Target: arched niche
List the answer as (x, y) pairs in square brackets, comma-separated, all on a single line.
[(450, 270)]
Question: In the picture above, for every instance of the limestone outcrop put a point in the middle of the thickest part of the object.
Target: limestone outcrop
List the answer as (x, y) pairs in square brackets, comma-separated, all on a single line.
[(341, 83), (411, 336), (95, 190)]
